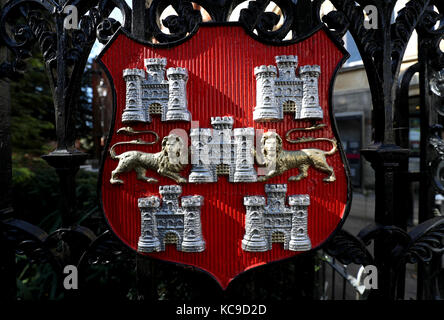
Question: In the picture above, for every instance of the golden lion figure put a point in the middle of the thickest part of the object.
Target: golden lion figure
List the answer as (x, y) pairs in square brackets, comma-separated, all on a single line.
[(277, 160), (160, 162)]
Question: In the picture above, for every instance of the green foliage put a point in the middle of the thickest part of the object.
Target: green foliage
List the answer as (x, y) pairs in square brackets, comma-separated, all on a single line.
[(35, 191), (36, 281), (32, 111)]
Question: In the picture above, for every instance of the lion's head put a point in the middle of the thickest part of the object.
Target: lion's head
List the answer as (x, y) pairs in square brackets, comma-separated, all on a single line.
[(172, 152), (271, 146)]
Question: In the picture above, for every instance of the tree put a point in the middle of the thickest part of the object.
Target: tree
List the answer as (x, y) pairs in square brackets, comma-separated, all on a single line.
[(32, 111)]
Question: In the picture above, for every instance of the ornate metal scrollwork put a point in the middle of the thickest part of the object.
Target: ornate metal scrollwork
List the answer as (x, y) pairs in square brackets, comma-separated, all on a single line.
[(33, 21), (299, 18), (65, 52), (350, 14), (399, 247), (348, 249), (76, 245), (59, 248), (30, 241), (437, 166), (391, 235), (437, 87), (427, 239), (432, 36), (105, 249), (187, 20), (408, 18), (338, 24)]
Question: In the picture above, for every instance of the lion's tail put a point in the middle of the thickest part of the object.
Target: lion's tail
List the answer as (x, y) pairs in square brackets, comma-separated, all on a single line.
[(113, 154), (308, 139)]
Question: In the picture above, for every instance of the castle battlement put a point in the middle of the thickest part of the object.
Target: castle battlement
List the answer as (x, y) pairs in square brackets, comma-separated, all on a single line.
[(273, 188), (149, 202), (192, 201), (134, 73), (222, 122), (287, 60), (155, 62), (312, 71), (243, 132), (254, 201), (197, 132), (299, 200), (164, 222), (267, 71), (276, 222), (178, 73), (172, 189)]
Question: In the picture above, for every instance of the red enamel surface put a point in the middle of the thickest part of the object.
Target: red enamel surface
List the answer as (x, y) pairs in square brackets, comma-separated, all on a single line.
[(220, 62)]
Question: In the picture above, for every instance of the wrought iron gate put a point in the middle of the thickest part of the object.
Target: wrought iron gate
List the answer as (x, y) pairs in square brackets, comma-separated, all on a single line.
[(65, 51)]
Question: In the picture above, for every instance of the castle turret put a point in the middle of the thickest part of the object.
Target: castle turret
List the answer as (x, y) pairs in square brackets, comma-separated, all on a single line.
[(134, 110), (244, 171), (155, 69), (148, 240), (276, 197), (287, 67), (200, 158), (254, 238), (177, 102), (299, 240), (222, 147), (310, 101), (266, 106), (192, 236), (170, 198)]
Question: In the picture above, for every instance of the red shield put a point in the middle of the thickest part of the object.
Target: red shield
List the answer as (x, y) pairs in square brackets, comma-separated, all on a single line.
[(241, 220)]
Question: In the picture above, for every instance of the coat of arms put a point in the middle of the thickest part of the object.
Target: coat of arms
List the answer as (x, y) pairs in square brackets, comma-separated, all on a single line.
[(223, 153)]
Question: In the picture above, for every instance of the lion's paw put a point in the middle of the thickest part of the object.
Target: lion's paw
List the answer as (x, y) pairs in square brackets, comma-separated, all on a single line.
[(116, 181), (181, 180)]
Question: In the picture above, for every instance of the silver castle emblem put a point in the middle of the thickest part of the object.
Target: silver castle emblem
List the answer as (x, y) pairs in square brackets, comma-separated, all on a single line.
[(222, 151), (280, 90), (148, 92), (163, 221), (274, 221)]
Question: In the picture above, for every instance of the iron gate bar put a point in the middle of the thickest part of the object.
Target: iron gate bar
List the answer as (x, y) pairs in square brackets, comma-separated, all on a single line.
[(430, 60), (402, 131), (382, 50)]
